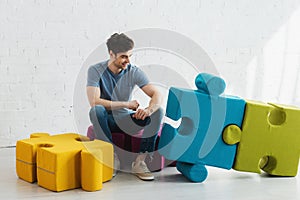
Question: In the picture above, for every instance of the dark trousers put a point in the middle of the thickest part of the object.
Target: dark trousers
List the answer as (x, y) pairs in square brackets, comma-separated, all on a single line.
[(106, 122)]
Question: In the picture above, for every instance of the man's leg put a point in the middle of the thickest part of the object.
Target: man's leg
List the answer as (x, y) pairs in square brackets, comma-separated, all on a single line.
[(130, 125), (151, 131), (104, 123), (151, 127), (99, 119)]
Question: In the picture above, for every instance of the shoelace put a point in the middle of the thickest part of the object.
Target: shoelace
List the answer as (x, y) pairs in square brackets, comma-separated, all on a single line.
[(144, 167)]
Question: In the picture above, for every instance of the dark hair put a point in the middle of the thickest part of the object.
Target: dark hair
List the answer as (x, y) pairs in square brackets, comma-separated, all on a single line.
[(119, 43)]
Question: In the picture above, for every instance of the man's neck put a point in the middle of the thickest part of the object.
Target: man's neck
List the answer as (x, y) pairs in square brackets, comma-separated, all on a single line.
[(113, 68)]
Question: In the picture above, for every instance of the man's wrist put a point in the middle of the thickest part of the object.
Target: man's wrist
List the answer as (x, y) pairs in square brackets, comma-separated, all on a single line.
[(150, 111), (152, 108)]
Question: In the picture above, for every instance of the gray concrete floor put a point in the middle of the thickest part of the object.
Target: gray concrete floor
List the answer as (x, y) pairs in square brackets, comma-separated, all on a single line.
[(169, 184)]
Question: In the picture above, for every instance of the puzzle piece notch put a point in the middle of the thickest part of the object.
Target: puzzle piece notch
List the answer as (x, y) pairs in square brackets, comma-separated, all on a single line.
[(269, 139), (54, 161), (210, 84)]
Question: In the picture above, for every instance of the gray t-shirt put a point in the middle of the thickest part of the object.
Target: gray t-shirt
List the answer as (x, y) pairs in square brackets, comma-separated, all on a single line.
[(116, 87)]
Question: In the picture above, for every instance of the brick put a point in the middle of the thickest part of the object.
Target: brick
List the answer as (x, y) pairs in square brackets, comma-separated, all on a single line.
[(4, 51)]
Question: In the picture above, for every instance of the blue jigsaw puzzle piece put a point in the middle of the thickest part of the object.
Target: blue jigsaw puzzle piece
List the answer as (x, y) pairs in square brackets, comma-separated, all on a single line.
[(198, 139)]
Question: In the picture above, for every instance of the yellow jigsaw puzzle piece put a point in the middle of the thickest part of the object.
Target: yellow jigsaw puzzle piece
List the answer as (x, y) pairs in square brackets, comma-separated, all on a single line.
[(269, 139), (64, 161)]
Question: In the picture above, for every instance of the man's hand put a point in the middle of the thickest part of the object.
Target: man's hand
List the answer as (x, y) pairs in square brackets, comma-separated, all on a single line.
[(142, 114), (133, 105)]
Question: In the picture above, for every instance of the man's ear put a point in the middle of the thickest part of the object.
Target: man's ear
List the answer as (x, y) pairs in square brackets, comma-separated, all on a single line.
[(111, 54)]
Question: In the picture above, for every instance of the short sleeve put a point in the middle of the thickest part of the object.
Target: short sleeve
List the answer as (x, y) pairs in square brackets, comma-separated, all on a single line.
[(93, 77), (141, 78)]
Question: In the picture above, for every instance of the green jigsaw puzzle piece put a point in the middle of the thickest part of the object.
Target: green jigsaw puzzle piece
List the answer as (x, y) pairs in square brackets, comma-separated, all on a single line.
[(269, 139)]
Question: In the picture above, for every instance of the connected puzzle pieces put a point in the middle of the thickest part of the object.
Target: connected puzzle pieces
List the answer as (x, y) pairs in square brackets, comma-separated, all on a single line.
[(64, 161), (269, 139), (198, 141), (229, 132)]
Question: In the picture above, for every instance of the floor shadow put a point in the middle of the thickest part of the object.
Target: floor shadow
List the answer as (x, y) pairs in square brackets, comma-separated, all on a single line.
[(173, 178), (266, 175)]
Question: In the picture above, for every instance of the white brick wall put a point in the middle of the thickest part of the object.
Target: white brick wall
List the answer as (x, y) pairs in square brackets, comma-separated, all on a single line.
[(43, 44)]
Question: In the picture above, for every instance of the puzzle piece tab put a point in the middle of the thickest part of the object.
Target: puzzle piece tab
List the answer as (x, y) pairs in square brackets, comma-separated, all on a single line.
[(55, 161), (198, 140), (210, 84), (269, 139)]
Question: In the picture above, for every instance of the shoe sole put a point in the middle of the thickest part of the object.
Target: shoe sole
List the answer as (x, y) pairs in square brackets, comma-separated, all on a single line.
[(145, 179)]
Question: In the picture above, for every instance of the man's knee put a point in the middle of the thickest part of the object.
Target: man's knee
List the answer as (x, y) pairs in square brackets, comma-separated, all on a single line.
[(159, 113), (98, 111)]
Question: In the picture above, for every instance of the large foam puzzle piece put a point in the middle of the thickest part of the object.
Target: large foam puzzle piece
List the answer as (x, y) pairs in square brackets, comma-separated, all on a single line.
[(198, 140), (64, 161), (269, 139)]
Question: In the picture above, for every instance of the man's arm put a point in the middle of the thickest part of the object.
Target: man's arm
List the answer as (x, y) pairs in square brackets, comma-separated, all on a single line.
[(154, 104), (93, 94)]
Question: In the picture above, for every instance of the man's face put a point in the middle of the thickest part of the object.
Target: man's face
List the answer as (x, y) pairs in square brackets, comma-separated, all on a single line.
[(121, 60)]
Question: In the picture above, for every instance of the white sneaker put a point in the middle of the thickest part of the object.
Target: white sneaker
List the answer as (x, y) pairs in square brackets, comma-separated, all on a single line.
[(141, 170), (116, 164)]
